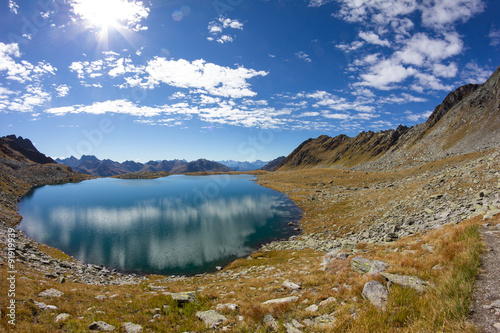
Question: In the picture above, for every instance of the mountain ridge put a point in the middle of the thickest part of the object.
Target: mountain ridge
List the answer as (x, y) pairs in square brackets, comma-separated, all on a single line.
[(466, 121), (91, 165)]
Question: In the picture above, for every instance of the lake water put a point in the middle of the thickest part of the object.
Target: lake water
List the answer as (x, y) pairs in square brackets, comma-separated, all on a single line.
[(171, 225)]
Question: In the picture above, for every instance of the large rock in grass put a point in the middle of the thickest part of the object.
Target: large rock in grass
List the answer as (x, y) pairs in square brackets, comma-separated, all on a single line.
[(184, 297), (376, 293), (211, 318), (407, 281), (362, 265), (101, 326), (131, 327), (282, 300), (51, 293)]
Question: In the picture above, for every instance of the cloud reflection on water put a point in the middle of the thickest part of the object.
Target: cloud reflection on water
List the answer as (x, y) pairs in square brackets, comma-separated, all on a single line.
[(158, 233)]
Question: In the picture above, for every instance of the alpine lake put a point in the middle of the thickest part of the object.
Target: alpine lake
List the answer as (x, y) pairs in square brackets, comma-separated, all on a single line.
[(176, 225)]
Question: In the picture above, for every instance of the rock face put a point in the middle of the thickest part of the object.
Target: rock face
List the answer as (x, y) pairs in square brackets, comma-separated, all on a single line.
[(376, 293), (22, 150), (466, 121)]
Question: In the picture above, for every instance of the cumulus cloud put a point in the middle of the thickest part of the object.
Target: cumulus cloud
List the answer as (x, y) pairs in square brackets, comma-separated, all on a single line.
[(373, 38), (350, 47), (13, 7), (207, 77), (198, 75), (473, 73), (25, 79), (420, 60), (62, 90), (440, 13), (217, 28)]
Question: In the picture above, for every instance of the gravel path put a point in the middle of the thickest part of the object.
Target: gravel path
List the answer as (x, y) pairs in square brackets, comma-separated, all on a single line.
[(486, 307)]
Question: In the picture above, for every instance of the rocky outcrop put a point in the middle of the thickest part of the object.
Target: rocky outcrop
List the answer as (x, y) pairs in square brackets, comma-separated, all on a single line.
[(23, 150)]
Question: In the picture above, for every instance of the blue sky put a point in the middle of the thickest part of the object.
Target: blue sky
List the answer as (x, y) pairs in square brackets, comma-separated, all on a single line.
[(231, 79)]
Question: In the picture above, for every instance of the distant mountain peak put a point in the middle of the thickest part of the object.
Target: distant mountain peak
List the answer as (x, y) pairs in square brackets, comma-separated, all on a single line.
[(22, 149)]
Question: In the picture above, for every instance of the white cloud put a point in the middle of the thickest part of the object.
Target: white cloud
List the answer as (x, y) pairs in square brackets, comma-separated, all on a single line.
[(350, 47), (417, 117), (217, 27), (308, 114), (422, 60), (207, 77), (473, 73), (233, 24), (20, 71), (441, 13), (494, 35), (62, 90), (325, 99), (120, 106), (34, 96), (445, 71), (127, 14), (13, 7), (384, 74), (373, 38), (225, 39), (402, 99), (422, 49), (318, 3), (26, 80), (377, 11), (303, 56)]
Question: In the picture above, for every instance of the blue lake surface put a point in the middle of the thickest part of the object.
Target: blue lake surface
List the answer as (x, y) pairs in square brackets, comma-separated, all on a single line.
[(172, 225)]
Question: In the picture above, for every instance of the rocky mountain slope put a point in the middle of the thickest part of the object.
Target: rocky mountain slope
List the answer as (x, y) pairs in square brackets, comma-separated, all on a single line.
[(23, 167), (467, 120), (106, 168), (271, 166)]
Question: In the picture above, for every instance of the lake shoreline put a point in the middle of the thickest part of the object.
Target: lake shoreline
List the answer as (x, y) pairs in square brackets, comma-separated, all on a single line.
[(293, 226)]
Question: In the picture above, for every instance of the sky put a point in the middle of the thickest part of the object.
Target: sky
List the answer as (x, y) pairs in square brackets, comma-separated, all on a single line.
[(231, 79)]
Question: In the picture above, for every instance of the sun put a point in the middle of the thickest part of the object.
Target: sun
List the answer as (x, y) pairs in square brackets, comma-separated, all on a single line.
[(106, 14)]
